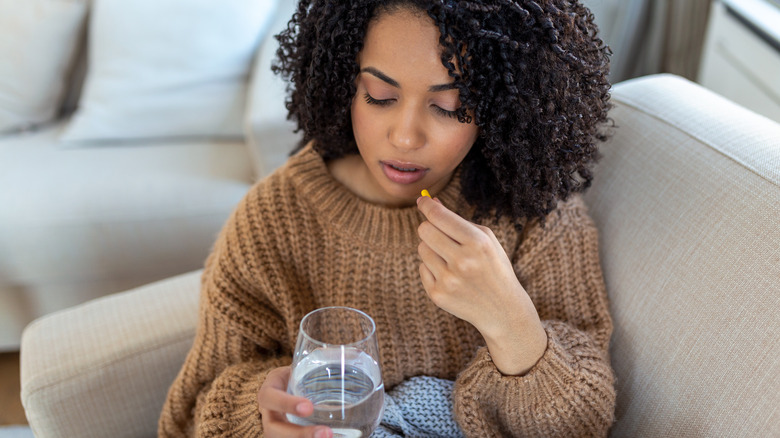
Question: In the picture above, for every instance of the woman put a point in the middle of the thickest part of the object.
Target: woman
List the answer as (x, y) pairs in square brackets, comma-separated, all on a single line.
[(496, 108)]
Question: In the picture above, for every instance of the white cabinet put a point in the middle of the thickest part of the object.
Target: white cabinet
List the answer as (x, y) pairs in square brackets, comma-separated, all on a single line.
[(741, 58)]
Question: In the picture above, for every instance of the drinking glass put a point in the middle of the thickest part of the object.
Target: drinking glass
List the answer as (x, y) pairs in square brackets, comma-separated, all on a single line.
[(336, 366)]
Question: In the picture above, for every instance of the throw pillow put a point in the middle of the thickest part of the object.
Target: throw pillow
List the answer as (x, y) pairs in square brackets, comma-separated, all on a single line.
[(38, 43), (168, 68)]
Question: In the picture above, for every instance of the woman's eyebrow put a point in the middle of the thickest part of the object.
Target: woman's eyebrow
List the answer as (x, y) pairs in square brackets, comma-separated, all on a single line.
[(394, 83), (381, 76)]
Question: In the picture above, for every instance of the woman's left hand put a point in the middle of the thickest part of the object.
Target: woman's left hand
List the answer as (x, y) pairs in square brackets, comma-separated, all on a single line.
[(466, 272)]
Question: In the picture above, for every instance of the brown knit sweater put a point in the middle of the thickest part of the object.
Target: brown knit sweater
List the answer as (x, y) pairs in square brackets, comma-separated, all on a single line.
[(300, 240)]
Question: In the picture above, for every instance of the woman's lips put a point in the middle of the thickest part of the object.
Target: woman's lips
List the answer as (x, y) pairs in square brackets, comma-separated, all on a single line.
[(403, 173)]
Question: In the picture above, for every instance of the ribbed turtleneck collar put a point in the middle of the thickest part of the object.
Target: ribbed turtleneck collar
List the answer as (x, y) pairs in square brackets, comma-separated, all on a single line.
[(344, 211)]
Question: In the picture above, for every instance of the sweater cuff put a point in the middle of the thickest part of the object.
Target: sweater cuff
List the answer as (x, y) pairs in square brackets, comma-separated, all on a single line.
[(567, 393), (230, 406)]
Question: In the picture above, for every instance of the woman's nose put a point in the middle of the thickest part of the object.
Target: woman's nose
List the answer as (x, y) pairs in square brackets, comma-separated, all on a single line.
[(406, 131)]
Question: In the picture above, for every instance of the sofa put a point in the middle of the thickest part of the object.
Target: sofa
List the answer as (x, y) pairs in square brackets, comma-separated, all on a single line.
[(128, 131), (687, 201)]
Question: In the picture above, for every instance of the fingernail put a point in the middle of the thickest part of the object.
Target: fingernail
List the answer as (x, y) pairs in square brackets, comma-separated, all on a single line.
[(302, 408), (321, 432)]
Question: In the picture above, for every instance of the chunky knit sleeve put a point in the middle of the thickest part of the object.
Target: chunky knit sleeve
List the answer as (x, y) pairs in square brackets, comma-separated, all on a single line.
[(570, 391), (241, 335)]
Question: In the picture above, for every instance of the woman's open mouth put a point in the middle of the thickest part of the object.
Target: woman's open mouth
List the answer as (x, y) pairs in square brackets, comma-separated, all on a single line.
[(403, 173)]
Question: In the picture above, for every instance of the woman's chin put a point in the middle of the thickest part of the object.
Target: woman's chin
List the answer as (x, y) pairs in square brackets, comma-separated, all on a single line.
[(400, 197)]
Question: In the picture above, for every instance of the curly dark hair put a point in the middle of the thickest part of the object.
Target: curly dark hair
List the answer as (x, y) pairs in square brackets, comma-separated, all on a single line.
[(532, 72)]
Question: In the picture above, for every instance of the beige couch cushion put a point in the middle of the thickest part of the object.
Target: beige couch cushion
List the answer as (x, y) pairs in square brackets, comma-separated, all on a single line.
[(687, 200)]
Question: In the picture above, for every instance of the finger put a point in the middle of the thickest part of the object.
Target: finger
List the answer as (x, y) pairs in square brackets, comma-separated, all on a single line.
[(438, 241), (278, 377), (427, 278), (274, 400), (273, 395), (449, 222), (433, 261)]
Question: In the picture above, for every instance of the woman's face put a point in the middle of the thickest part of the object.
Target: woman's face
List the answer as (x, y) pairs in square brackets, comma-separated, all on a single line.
[(403, 114)]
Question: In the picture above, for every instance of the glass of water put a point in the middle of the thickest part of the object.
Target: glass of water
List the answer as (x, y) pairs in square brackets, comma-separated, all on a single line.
[(336, 366)]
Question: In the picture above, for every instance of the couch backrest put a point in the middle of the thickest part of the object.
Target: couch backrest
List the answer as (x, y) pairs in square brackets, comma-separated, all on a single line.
[(687, 201), (271, 136)]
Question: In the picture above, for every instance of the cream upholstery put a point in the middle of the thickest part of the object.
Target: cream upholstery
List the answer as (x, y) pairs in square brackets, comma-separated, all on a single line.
[(196, 78), (687, 201), (31, 87), (269, 133), (79, 221), (106, 219), (107, 373)]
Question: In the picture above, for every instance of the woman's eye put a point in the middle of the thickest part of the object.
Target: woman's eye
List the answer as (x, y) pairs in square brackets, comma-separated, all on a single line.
[(446, 113), (383, 102), (371, 101)]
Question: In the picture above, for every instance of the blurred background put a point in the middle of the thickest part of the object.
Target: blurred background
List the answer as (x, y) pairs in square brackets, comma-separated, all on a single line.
[(129, 130), (729, 46)]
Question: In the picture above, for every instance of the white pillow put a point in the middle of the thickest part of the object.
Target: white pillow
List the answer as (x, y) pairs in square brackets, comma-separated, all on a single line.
[(38, 42), (168, 68)]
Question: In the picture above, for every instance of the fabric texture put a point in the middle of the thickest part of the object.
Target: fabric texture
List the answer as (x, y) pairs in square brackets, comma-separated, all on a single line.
[(38, 45), (690, 111), (300, 240), (687, 197), (420, 407), (100, 369), (195, 85)]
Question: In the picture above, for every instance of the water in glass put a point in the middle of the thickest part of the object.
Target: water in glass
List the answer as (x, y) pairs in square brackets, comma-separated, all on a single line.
[(346, 388)]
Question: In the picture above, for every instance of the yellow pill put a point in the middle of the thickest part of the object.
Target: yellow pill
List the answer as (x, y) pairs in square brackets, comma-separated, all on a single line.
[(425, 193)]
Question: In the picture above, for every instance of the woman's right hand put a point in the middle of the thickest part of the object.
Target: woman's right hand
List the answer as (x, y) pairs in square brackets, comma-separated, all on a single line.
[(274, 402)]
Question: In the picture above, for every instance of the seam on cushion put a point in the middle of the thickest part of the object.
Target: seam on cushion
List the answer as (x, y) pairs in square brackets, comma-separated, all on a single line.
[(122, 294), (103, 364), (637, 106)]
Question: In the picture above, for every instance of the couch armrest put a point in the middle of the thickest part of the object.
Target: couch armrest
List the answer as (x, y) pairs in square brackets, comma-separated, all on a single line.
[(103, 368)]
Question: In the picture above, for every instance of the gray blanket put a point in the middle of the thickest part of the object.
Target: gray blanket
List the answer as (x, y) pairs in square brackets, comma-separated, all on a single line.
[(420, 407)]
